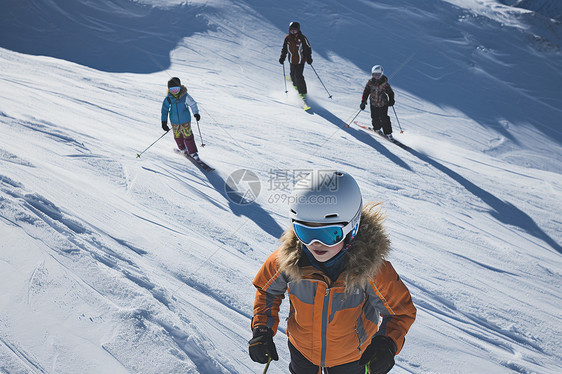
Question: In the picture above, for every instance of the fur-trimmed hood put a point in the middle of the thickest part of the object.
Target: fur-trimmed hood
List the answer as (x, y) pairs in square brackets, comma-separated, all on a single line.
[(364, 256), (183, 92)]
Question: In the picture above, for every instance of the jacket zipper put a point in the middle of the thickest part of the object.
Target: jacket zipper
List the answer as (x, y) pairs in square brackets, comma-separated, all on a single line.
[(358, 338), (324, 329), (178, 113)]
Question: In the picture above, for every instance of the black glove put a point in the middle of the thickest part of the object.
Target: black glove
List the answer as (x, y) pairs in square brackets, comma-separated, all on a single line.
[(379, 355), (165, 126), (391, 102), (197, 117), (362, 105), (281, 60), (262, 346), (309, 60)]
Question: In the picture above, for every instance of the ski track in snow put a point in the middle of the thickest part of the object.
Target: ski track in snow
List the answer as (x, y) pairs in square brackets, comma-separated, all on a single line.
[(35, 211), (16, 359)]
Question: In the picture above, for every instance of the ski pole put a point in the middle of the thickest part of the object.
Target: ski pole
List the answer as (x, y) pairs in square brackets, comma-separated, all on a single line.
[(140, 154), (355, 116), (397, 120), (202, 144), (267, 366), (329, 95), (285, 78)]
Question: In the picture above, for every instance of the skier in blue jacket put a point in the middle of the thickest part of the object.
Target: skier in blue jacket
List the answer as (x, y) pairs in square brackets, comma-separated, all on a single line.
[(176, 105)]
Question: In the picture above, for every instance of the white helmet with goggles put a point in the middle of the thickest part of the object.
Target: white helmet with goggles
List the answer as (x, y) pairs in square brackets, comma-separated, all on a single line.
[(326, 207), (377, 71)]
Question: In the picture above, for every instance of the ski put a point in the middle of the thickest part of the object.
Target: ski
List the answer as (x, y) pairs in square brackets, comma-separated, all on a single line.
[(305, 104), (397, 142), (306, 107), (200, 164)]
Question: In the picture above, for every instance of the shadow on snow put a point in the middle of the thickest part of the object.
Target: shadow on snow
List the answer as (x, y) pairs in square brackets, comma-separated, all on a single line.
[(360, 135), (503, 211), (112, 35), (488, 71), (253, 210)]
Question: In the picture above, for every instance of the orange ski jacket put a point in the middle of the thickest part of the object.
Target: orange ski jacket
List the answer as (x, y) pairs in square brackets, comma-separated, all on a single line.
[(332, 323)]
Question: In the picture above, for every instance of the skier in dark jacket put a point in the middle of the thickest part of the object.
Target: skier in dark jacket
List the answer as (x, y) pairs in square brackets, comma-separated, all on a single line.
[(381, 96), (298, 48)]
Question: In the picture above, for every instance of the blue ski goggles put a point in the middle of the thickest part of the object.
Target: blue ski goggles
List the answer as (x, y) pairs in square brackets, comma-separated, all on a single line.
[(174, 90), (330, 235)]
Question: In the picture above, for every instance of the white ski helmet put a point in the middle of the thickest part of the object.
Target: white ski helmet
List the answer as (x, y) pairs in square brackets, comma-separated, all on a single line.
[(327, 197), (377, 70)]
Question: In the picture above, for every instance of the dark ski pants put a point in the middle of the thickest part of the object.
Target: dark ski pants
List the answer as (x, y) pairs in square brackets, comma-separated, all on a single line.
[(300, 365), (381, 119), (297, 77)]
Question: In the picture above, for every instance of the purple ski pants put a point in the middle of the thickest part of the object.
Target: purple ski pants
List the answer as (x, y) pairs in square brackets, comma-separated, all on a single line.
[(184, 137)]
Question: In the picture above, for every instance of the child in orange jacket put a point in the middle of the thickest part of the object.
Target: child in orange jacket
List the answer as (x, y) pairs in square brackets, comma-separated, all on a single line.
[(349, 310)]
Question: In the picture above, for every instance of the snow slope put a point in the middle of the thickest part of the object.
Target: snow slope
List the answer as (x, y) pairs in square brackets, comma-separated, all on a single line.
[(548, 8), (115, 264)]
